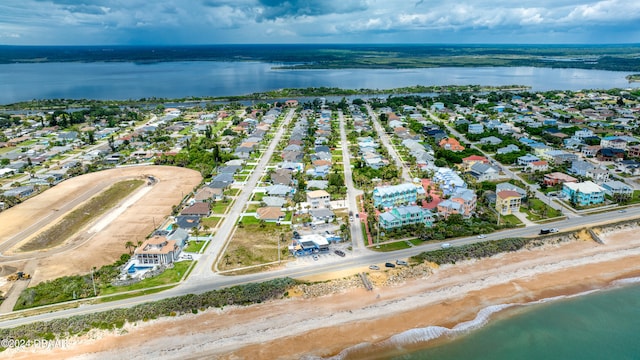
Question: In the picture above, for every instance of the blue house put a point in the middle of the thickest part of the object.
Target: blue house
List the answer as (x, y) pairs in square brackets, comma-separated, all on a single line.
[(389, 196), (405, 215), (584, 193)]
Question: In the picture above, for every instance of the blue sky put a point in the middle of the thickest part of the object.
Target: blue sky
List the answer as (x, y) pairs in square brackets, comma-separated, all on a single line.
[(172, 22)]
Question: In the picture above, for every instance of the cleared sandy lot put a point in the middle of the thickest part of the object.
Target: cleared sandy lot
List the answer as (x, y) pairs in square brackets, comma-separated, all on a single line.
[(102, 241)]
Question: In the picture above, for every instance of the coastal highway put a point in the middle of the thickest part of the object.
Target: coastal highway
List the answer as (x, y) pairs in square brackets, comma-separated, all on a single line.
[(353, 260)]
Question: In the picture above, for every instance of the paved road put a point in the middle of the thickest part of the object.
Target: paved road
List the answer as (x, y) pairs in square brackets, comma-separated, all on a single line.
[(357, 240), (203, 269), (384, 138), (361, 260)]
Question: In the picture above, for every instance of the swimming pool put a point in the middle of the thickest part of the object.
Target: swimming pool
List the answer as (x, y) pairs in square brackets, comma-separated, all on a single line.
[(133, 268)]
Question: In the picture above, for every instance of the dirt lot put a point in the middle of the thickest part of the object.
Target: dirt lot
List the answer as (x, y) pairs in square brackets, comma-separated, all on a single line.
[(102, 241)]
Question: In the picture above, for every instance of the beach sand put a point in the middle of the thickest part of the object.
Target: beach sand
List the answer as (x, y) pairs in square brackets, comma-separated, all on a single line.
[(296, 327)]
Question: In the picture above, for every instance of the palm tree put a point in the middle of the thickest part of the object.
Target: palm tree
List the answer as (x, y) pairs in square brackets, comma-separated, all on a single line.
[(129, 245)]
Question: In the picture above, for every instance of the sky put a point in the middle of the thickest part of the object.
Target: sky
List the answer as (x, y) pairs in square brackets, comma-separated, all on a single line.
[(177, 22)]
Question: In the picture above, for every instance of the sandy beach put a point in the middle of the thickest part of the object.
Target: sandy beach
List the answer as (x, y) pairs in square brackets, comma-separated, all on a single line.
[(299, 327)]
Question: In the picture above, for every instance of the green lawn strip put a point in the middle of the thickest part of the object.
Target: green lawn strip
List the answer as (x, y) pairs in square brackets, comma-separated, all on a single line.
[(397, 245), (258, 196), (232, 192), (89, 211), (169, 276), (194, 246), (133, 294), (247, 220)]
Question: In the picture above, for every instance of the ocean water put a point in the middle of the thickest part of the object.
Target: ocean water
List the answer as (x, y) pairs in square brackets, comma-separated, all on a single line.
[(599, 325)]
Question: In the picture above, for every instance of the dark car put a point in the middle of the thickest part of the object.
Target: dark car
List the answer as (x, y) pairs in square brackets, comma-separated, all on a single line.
[(339, 253), (390, 265), (296, 235)]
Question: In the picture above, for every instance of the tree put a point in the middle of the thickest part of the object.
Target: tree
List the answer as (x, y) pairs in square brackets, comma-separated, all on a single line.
[(129, 245)]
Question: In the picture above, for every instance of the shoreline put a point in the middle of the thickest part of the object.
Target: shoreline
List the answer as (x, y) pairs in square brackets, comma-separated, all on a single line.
[(329, 325)]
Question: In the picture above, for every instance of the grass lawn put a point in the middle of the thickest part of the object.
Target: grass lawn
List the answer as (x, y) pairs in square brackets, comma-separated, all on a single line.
[(232, 192), (258, 196), (288, 215), (536, 210), (255, 244), (249, 220), (398, 245), (241, 177), (252, 207), (169, 276), (194, 246), (211, 221), (220, 207), (511, 219)]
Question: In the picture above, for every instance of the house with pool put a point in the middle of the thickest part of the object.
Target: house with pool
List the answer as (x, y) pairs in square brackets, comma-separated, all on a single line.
[(157, 250)]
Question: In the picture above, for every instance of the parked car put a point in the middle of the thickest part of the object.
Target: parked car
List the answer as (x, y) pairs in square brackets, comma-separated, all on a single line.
[(401, 262), (296, 235), (339, 253), (390, 265), (374, 267)]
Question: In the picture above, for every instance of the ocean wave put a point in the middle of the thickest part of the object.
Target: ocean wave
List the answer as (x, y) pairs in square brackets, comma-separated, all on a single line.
[(429, 333), (633, 280)]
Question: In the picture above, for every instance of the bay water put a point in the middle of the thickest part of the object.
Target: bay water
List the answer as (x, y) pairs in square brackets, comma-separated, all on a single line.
[(176, 80)]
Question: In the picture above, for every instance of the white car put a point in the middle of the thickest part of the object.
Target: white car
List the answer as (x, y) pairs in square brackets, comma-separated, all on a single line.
[(482, 236)]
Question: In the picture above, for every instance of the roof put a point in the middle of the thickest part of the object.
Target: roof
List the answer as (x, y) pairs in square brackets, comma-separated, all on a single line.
[(317, 194), (270, 213), (391, 190), (505, 194), (584, 187), (198, 208), (156, 245), (475, 158)]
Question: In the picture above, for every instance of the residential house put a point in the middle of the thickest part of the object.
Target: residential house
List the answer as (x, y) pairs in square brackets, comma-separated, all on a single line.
[(476, 128), (614, 142), (580, 167), (273, 201), (630, 167), (207, 193), (633, 151), (541, 166), (270, 214), (448, 181), (490, 140), (157, 250), (319, 199), (319, 171), (201, 209), (317, 184), (556, 178), (462, 201), (590, 151), (508, 149), (389, 196), (472, 160), (508, 202), (617, 188), (405, 215), (281, 176), (508, 186), (559, 156), (610, 154), (279, 190), (19, 192), (527, 159), (322, 215), (450, 144), (598, 174), (484, 172), (584, 193)]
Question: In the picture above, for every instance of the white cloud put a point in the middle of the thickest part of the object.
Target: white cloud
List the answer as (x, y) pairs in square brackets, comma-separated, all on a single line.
[(226, 21)]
